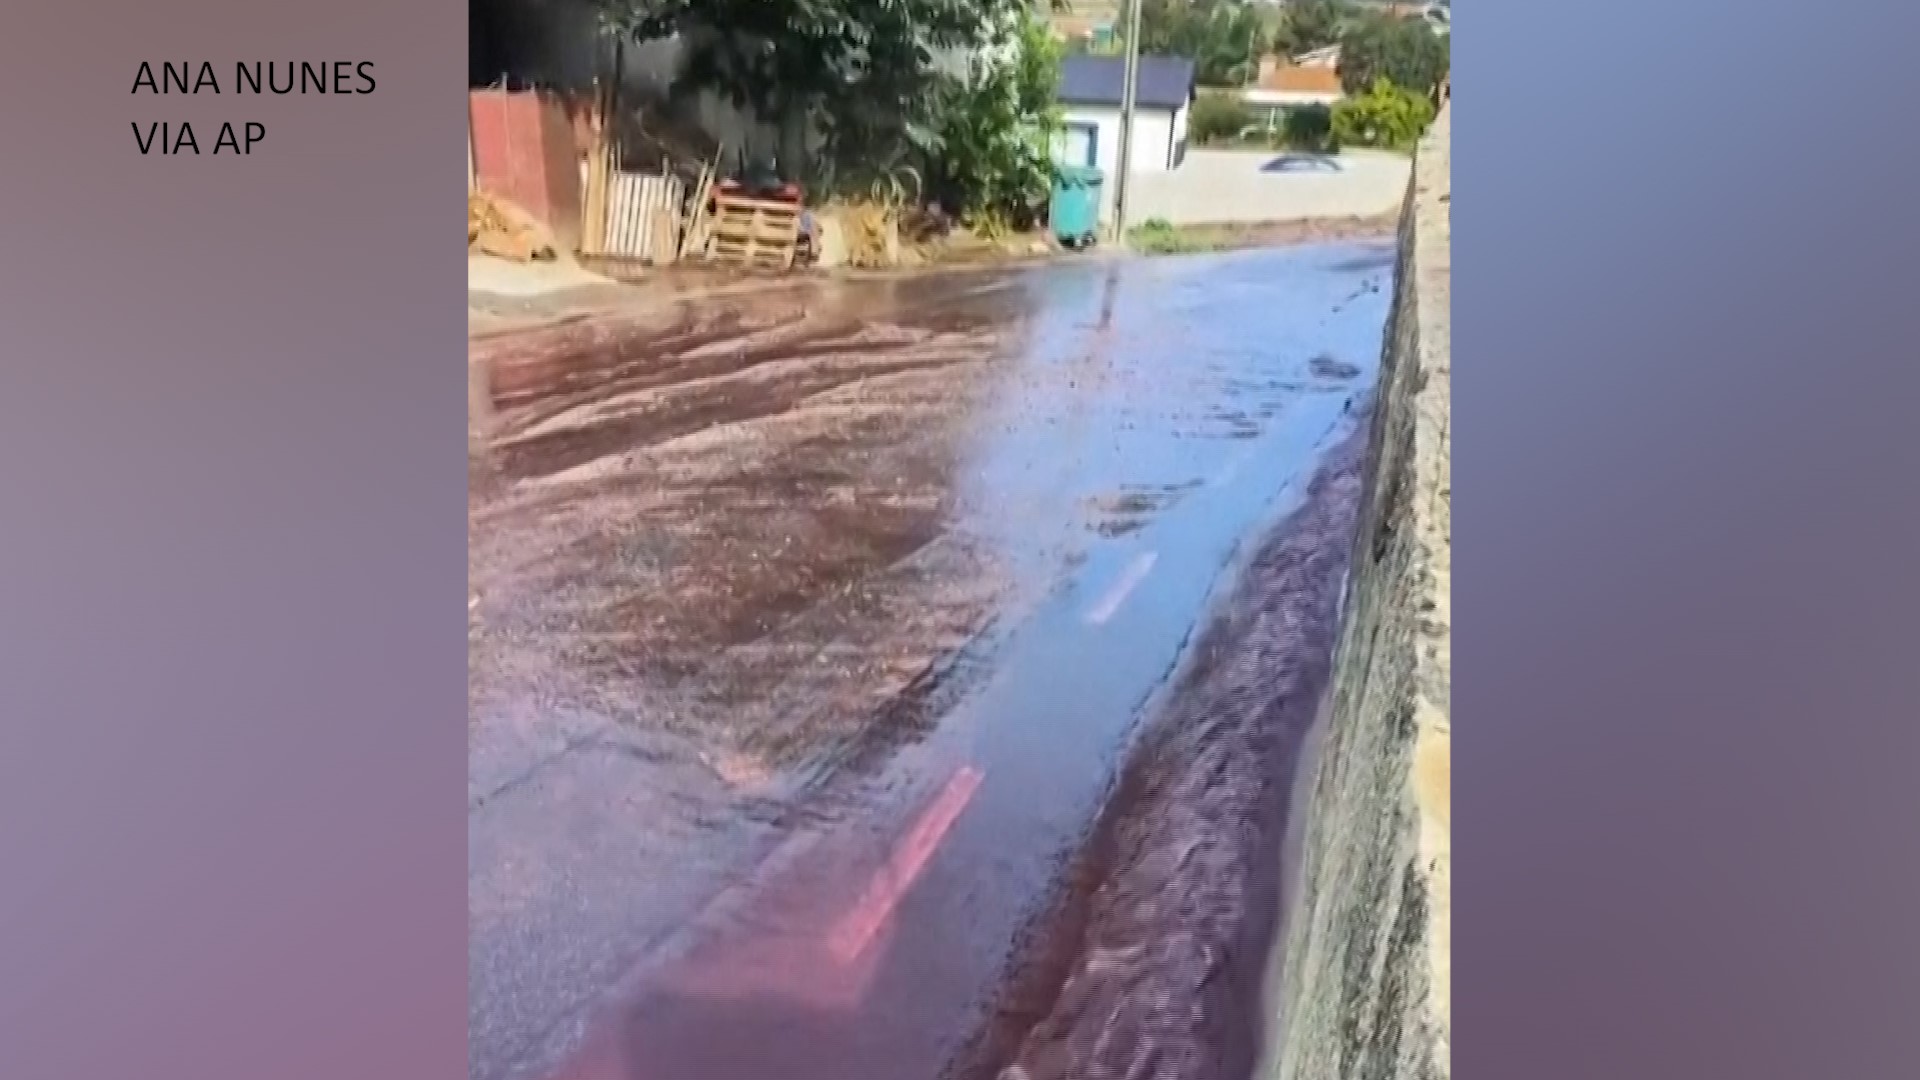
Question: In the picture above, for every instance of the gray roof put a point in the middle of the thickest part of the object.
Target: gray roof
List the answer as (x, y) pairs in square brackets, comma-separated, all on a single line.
[(1166, 82)]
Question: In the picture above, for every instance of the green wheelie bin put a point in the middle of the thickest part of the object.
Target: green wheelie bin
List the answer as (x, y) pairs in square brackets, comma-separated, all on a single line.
[(1074, 210)]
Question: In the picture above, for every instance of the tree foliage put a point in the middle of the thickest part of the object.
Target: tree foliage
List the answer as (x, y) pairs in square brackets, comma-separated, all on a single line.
[(1219, 117), (1309, 129), (764, 53), (1405, 52), (1305, 25), (996, 135), (861, 72), (1386, 116), (1224, 38)]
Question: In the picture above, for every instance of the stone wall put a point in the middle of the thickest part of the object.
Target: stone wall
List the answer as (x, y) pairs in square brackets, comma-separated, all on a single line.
[(1359, 985)]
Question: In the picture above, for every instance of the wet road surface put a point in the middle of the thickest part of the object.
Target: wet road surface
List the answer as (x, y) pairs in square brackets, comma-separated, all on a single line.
[(808, 636)]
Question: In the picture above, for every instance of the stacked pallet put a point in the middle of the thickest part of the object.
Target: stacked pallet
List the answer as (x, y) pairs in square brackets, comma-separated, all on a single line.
[(759, 233)]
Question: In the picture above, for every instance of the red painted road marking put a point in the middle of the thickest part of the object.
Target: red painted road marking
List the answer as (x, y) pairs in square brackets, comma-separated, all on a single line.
[(728, 952), (855, 931), (1135, 573)]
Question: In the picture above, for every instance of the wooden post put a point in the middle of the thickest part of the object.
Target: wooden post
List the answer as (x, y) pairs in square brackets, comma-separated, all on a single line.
[(594, 228), (692, 236), (603, 158)]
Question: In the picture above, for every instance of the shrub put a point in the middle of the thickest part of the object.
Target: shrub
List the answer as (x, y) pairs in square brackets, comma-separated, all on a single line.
[(1310, 129), (1385, 116), (995, 135), (1218, 117), (1157, 236)]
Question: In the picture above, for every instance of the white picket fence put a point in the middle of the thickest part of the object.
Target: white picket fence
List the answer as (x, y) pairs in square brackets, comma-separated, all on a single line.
[(643, 217)]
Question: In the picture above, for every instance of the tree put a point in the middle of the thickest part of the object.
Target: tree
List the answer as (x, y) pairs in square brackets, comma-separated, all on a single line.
[(1311, 24), (1219, 117), (1405, 52), (1309, 128), (862, 70), (996, 133), (1224, 38)]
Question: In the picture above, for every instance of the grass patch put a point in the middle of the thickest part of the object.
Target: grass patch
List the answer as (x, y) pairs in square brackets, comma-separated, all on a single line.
[(1164, 239), (1159, 237)]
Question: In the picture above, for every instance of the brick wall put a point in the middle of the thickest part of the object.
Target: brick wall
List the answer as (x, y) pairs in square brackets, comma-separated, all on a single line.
[(524, 150)]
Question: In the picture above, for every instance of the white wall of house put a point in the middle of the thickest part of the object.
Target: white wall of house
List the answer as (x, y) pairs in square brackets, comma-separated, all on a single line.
[(1270, 107), (1257, 98), (1325, 57), (1156, 137)]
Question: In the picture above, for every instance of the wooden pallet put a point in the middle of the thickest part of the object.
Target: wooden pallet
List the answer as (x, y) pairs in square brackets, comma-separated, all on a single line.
[(753, 232)]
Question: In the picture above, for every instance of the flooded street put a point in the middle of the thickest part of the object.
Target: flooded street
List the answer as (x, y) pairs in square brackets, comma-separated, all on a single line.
[(811, 632)]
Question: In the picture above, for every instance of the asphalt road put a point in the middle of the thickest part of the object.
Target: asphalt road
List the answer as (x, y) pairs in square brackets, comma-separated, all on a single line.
[(808, 634)]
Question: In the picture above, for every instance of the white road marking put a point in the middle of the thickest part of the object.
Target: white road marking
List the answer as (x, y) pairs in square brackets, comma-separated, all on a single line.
[(1117, 594)]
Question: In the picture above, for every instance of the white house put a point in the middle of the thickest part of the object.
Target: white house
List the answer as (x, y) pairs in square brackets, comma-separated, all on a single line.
[(1090, 92)]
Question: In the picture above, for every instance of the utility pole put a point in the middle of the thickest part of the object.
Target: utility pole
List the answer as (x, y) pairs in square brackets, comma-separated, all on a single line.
[(1128, 88)]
